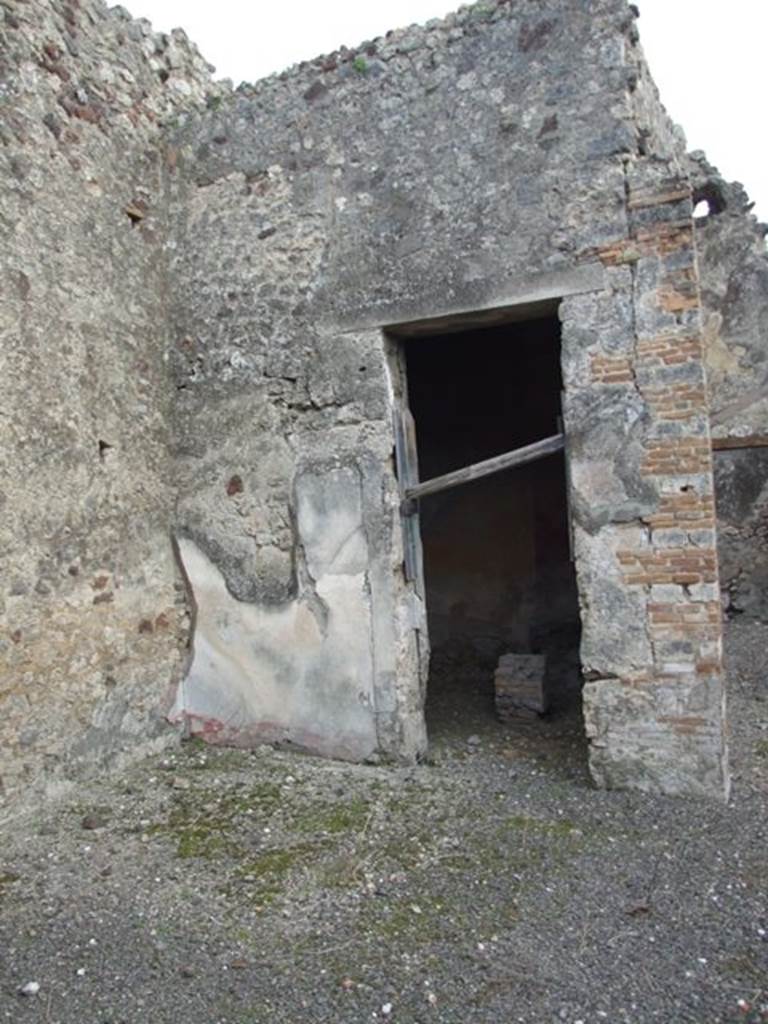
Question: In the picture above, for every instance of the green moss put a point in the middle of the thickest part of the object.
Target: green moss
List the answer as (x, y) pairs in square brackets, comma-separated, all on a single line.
[(418, 923), (203, 820), (360, 64), (263, 877), (334, 818), (6, 879), (194, 743), (406, 853), (761, 748), (271, 863), (197, 754), (556, 827), (495, 866), (204, 841)]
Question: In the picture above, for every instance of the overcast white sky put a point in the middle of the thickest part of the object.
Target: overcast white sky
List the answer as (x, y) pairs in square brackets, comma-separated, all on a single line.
[(708, 57)]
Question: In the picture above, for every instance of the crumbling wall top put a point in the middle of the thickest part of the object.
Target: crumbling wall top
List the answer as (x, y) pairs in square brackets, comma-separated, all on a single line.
[(95, 64), (407, 46)]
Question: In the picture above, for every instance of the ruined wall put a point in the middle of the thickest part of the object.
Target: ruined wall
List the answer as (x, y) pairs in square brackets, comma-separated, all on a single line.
[(733, 267), (510, 153), (643, 505), (90, 619), (636, 410), (436, 169), (194, 341)]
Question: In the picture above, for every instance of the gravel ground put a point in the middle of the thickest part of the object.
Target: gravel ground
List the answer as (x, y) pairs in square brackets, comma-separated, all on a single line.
[(491, 885)]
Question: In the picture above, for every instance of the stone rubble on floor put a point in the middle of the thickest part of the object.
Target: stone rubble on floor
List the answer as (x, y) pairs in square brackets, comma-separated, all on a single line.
[(519, 686)]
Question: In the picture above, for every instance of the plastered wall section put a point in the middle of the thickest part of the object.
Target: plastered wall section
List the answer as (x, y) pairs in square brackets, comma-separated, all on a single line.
[(493, 157), (91, 621)]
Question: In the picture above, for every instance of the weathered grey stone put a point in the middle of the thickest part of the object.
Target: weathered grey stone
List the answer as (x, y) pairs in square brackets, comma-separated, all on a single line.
[(519, 686), (198, 284), (606, 432), (618, 716), (97, 628), (741, 484), (614, 641), (733, 265)]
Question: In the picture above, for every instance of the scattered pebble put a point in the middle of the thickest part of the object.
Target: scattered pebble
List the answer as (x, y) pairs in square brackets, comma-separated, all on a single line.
[(93, 821)]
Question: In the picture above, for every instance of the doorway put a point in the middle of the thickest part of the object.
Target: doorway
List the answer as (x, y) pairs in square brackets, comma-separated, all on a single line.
[(498, 574)]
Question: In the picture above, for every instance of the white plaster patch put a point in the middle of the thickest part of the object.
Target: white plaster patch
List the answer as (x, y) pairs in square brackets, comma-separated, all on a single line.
[(330, 519), (280, 673)]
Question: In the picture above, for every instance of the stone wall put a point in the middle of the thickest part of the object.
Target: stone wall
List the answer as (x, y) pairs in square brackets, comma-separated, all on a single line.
[(311, 210), (636, 411), (201, 284), (511, 153), (91, 622), (733, 266)]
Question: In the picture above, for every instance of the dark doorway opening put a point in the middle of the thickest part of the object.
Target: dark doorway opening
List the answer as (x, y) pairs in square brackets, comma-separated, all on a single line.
[(498, 572)]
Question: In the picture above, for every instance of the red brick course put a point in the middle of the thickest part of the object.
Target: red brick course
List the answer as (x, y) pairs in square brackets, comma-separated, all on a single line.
[(684, 565), (677, 456), (687, 510)]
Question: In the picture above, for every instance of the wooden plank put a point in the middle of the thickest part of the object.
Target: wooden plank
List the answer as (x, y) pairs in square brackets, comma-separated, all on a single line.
[(408, 474), (412, 522), (724, 444), (411, 450), (568, 507), (400, 449), (518, 457)]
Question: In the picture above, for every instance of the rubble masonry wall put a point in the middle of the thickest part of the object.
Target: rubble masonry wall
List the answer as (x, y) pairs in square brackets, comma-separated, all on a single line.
[(91, 620), (512, 151), (733, 268), (194, 346)]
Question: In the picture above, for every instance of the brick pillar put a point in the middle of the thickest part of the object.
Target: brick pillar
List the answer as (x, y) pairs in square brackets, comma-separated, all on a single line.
[(642, 498)]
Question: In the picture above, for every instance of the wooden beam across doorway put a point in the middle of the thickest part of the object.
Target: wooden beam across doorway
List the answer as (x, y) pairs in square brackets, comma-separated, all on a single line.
[(725, 444), (518, 457)]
